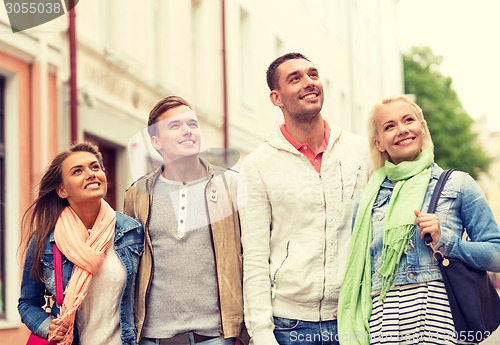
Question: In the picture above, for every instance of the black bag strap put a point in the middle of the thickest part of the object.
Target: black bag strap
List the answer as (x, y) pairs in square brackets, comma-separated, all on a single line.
[(438, 189), (435, 196)]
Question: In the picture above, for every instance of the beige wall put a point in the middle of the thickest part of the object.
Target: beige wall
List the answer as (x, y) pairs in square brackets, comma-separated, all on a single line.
[(490, 182), (493, 192)]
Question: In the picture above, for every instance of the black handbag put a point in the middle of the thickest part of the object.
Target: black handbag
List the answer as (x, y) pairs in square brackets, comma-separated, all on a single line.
[(474, 302)]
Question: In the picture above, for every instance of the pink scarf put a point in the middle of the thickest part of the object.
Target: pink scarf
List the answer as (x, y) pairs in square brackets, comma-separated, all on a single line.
[(86, 252)]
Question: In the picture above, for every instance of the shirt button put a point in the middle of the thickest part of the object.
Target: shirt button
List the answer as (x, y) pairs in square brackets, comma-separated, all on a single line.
[(183, 207), (316, 160), (181, 221), (441, 249), (305, 147), (411, 275), (184, 183), (183, 195)]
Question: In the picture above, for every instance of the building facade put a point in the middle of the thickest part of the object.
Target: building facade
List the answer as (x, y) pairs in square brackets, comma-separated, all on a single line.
[(100, 83)]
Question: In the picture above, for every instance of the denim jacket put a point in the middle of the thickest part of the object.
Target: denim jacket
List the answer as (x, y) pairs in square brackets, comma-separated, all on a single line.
[(461, 206), (129, 245)]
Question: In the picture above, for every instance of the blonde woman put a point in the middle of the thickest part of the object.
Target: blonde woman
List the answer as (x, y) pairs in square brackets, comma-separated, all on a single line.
[(392, 290)]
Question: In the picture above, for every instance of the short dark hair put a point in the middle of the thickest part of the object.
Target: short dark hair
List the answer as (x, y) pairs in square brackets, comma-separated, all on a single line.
[(161, 107), (271, 77)]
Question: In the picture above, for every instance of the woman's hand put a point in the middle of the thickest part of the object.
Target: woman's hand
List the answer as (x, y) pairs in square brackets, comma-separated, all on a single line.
[(57, 331), (429, 224)]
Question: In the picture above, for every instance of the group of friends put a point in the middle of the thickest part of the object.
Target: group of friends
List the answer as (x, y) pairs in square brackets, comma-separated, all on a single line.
[(318, 239)]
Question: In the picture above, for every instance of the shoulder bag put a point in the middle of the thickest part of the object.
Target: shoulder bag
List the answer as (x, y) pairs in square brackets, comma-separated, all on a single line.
[(33, 338), (474, 302)]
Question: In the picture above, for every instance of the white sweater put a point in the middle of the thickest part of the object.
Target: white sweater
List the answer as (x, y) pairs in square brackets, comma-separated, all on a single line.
[(296, 227)]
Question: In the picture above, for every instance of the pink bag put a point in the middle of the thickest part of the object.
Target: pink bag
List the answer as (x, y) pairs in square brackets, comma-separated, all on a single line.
[(36, 340), (33, 338)]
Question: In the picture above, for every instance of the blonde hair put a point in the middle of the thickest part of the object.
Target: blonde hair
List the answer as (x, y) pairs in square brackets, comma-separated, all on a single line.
[(379, 158)]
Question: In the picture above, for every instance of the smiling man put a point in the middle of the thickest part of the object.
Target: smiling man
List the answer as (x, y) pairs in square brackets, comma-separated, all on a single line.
[(189, 288), (299, 189)]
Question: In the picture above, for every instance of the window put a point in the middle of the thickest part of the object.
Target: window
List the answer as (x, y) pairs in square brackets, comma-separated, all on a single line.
[(278, 46), (198, 60), (246, 60)]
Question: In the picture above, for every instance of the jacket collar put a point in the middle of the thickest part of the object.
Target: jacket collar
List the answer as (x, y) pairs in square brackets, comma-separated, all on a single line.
[(125, 223), (278, 140), (153, 176)]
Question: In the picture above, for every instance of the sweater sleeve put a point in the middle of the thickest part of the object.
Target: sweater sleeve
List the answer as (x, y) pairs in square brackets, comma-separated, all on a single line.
[(255, 214)]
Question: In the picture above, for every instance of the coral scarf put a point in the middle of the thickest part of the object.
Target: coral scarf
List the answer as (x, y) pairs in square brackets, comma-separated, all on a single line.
[(86, 252), (355, 301)]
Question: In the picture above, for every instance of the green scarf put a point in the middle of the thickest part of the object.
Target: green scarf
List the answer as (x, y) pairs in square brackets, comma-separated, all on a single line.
[(355, 302)]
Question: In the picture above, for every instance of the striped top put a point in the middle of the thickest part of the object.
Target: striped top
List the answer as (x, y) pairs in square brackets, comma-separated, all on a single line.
[(413, 314)]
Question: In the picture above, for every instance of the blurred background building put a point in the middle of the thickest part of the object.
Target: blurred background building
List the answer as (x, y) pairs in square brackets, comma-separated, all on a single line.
[(96, 75)]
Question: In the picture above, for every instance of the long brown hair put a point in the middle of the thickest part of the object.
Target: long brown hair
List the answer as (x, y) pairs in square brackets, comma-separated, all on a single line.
[(41, 217)]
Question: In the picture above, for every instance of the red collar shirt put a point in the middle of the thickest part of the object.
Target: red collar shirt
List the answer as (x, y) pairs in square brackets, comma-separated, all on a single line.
[(314, 157)]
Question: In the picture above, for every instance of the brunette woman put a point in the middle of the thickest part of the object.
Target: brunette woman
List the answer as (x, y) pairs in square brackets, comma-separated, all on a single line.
[(100, 249)]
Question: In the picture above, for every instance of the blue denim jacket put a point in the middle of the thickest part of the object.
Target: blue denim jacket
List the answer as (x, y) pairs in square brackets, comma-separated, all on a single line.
[(129, 245), (462, 205)]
